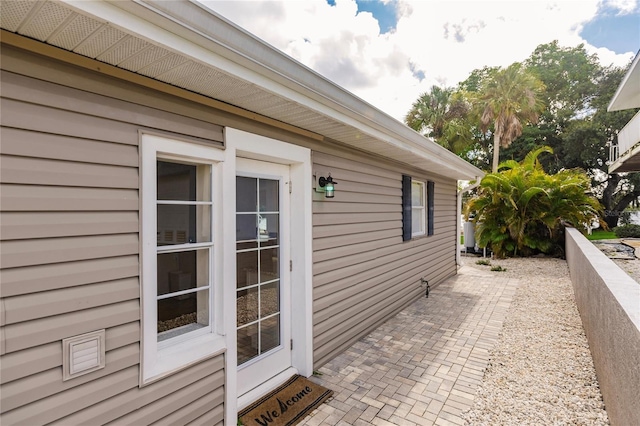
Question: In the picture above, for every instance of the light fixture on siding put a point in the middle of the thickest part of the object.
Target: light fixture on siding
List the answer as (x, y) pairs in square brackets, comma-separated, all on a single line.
[(326, 185)]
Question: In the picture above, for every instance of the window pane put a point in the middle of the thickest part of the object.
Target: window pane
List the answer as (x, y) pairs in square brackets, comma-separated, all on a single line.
[(183, 182), (269, 265), (247, 306), (246, 194), (417, 221), (180, 224), (268, 229), (247, 343), (269, 299), (181, 314), (182, 271), (269, 333), (247, 227), (417, 194), (268, 195), (247, 268)]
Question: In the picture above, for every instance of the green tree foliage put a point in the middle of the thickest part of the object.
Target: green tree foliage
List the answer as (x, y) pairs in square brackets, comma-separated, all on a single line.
[(522, 210), (507, 99), (573, 120), (440, 114)]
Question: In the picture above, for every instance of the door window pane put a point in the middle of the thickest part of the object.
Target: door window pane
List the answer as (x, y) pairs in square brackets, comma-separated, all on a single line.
[(246, 268), (247, 306), (268, 229), (269, 195), (269, 264), (269, 299), (246, 194), (269, 333), (247, 343)]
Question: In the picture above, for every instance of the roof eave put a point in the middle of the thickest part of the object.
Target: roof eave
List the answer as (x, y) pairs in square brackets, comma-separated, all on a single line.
[(194, 22), (628, 94)]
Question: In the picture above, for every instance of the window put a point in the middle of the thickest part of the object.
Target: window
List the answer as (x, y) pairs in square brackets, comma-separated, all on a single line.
[(178, 254), (417, 207)]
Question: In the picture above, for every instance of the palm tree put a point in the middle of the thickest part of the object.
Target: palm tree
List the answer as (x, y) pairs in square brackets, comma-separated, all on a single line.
[(440, 114), (507, 99)]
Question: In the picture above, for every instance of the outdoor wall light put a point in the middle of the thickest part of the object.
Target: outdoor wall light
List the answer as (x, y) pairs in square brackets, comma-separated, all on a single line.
[(326, 185)]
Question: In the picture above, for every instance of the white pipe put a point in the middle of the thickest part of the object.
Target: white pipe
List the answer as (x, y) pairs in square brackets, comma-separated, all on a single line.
[(458, 213)]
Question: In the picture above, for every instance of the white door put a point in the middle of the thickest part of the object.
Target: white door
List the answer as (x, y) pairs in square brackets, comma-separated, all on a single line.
[(263, 293)]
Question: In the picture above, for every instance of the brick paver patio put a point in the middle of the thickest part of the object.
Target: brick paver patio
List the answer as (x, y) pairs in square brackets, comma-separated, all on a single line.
[(423, 366)]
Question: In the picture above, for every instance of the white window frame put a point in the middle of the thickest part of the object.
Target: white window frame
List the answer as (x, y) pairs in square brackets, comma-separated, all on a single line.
[(160, 359), (419, 210)]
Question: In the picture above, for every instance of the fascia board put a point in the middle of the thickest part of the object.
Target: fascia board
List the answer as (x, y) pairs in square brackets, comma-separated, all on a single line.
[(160, 28), (628, 94)]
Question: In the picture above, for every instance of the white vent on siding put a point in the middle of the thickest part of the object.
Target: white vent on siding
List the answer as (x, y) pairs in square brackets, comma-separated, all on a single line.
[(83, 354)]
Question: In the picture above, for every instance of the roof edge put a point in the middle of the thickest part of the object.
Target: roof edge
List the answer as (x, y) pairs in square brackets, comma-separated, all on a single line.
[(616, 104)]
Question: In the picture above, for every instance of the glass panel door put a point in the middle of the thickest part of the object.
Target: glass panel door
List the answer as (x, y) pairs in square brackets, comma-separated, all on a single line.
[(258, 282)]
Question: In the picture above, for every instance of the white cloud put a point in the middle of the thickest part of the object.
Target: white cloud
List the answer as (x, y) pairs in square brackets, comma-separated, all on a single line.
[(445, 39), (622, 6)]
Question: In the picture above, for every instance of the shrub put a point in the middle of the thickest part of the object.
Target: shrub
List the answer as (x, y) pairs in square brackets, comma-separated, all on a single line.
[(522, 210), (627, 231)]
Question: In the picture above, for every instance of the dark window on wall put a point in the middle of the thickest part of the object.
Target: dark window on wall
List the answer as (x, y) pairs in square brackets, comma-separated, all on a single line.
[(417, 208)]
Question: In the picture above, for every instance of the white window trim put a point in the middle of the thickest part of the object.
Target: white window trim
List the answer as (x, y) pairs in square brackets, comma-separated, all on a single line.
[(421, 210), (159, 360)]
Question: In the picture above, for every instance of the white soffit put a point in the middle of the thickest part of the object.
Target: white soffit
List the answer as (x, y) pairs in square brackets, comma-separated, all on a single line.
[(184, 44), (628, 94)]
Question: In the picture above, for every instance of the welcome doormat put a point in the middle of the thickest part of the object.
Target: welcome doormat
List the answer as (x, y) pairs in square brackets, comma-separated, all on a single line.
[(287, 405)]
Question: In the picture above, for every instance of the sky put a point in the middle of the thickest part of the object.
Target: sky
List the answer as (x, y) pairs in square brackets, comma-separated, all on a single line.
[(388, 52)]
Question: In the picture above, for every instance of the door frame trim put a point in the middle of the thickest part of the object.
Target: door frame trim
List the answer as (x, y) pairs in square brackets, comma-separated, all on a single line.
[(243, 144)]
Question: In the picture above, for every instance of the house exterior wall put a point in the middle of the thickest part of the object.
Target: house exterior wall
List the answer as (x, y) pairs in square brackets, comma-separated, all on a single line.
[(69, 201), (363, 272), (70, 244)]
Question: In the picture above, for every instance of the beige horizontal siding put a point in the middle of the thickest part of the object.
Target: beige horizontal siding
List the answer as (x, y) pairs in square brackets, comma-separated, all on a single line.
[(131, 400), (37, 359), (44, 330), (212, 418), (324, 219), (25, 143), (37, 171), (17, 253), (48, 383), (363, 272), (70, 258), (59, 122), (57, 302), (27, 225), (194, 400), (39, 278), (354, 228), (25, 89), (56, 406), (60, 198)]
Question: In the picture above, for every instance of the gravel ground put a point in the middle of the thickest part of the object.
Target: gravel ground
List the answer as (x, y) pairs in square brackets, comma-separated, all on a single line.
[(541, 371)]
